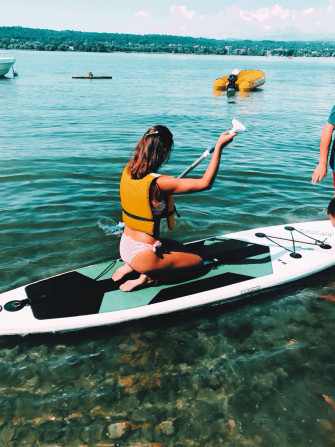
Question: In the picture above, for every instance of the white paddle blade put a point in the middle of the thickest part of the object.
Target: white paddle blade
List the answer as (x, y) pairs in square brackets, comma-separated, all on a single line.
[(237, 127)]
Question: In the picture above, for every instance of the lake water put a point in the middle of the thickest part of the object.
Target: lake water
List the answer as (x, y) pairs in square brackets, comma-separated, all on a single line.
[(252, 373)]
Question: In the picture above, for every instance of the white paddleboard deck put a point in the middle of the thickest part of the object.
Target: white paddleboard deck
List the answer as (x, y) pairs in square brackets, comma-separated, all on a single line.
[(245, 263)]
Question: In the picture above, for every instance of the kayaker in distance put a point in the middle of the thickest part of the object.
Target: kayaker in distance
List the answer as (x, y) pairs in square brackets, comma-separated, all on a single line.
[(320, 171), (146, 198)]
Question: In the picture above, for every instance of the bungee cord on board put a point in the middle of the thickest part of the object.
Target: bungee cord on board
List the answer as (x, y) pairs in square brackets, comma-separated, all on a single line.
[(293, 252)]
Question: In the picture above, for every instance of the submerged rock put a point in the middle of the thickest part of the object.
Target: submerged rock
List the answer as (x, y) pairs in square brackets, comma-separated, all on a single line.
[(166, 427), (119, 429), (7, 434)]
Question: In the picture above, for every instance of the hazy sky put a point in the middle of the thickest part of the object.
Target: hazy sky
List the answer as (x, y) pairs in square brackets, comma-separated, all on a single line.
[(258, 19)]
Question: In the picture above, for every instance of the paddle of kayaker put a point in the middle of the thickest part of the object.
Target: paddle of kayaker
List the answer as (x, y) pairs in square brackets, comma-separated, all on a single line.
[(146, 198)]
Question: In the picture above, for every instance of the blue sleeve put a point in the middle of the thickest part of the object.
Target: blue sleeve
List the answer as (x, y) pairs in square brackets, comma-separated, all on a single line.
[(331, 119)]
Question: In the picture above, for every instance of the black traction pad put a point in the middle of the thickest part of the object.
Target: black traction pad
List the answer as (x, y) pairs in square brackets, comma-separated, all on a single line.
[(201, 285), (68, 295)]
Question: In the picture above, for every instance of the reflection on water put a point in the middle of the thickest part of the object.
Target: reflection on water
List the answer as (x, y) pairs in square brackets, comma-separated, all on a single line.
[(233, 96)]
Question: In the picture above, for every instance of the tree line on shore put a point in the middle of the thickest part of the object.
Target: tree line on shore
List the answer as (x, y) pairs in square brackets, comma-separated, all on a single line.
[(50, 40)]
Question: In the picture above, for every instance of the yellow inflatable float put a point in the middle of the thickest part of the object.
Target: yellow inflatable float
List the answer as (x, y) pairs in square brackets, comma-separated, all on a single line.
[(240, 80)]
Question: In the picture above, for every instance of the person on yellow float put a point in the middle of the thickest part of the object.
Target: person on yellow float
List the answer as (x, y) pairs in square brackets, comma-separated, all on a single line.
[(146, 198)]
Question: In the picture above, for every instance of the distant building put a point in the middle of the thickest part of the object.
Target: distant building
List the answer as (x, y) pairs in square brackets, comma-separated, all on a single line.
[(229, 49)]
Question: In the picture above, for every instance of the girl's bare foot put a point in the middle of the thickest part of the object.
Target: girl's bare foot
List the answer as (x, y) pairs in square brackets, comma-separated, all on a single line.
[(121, 272), (133, 284)]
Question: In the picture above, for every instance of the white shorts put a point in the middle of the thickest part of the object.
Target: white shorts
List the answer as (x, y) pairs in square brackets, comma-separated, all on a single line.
[(129, 248)]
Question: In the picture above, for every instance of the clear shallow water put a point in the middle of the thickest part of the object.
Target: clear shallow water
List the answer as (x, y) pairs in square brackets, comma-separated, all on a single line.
[(250, 373)]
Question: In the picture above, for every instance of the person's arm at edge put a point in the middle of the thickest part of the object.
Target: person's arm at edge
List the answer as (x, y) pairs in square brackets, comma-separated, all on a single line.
[(320, 171)]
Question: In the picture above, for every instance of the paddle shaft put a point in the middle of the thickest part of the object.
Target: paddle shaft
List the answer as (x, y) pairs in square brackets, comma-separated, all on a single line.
[(236, 127), (196, 162)]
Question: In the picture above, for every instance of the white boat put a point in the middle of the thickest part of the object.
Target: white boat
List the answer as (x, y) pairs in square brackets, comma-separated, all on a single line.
[(6, 63)]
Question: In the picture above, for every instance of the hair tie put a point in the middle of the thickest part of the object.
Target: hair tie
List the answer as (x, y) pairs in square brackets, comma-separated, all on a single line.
[(151, 133)]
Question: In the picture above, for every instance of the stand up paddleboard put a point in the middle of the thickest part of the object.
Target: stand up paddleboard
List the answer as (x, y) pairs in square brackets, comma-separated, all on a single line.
[(239, 265)]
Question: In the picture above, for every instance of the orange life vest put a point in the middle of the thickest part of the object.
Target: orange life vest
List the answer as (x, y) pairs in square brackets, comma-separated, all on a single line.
[(136, 206)]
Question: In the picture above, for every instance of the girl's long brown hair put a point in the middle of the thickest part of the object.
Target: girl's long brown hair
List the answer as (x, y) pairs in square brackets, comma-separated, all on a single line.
[(152, 151)]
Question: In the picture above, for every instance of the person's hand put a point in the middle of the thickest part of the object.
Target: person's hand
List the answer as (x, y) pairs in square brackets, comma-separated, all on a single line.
[(225, 138), (319, 173)]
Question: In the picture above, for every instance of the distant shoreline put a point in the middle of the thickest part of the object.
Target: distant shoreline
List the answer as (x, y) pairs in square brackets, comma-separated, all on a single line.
[(19, 38)]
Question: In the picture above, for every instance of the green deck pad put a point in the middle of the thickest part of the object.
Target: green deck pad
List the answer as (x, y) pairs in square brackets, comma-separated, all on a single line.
[(79, 293), (240, 261), (67, 295)]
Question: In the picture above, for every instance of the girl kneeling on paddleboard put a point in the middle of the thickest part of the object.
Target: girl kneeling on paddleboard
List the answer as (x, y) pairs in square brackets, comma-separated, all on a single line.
[(146, 198)]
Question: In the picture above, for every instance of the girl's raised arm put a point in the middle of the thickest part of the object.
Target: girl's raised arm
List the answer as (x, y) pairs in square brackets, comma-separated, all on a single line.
[(172, 185)]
